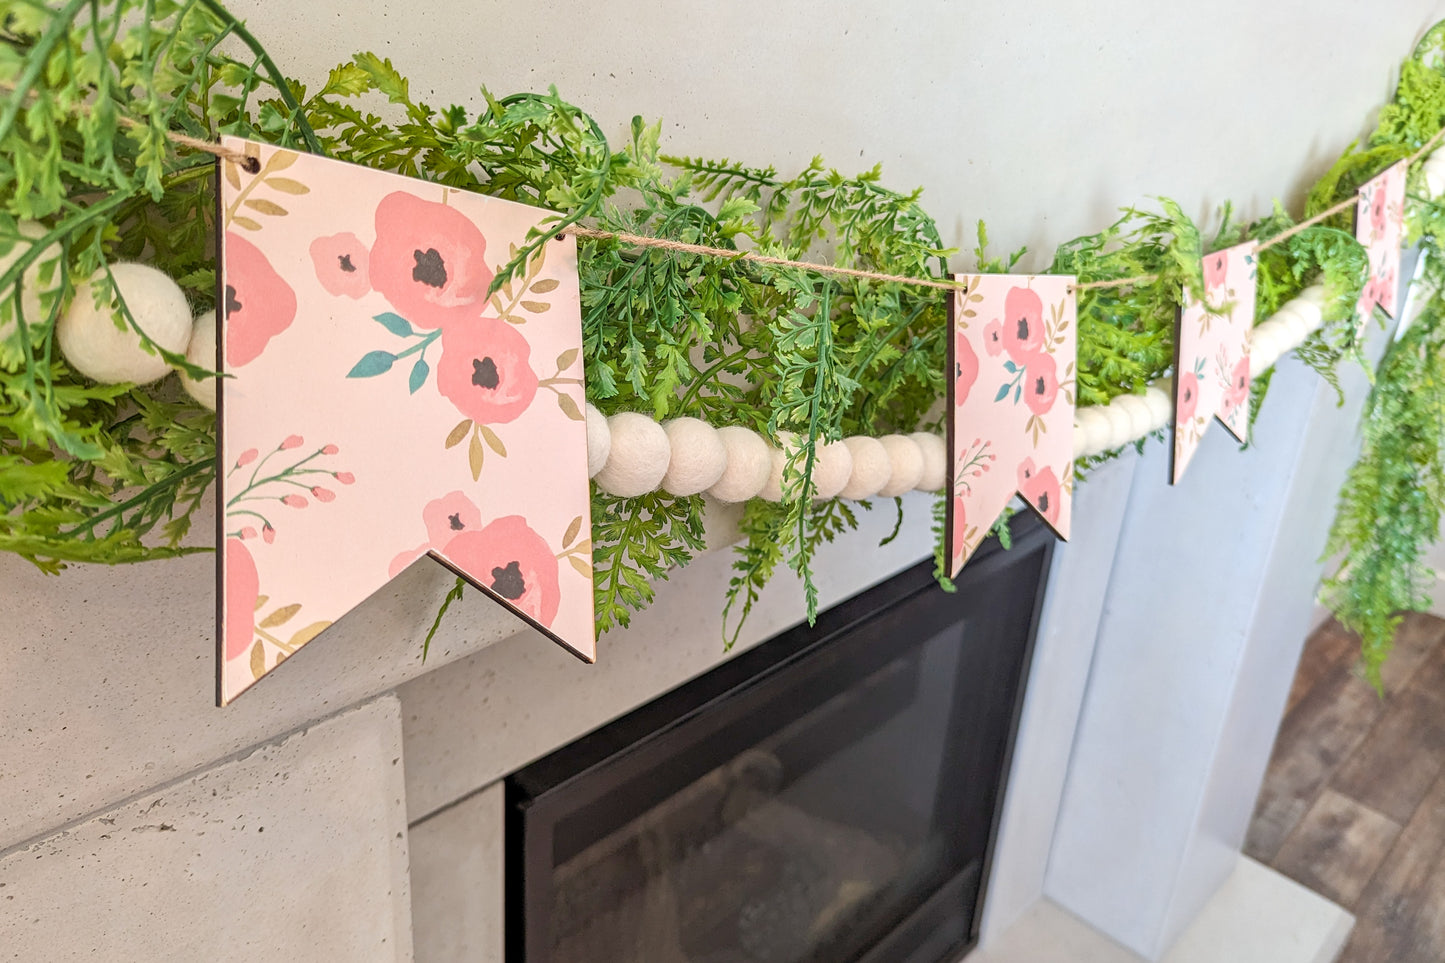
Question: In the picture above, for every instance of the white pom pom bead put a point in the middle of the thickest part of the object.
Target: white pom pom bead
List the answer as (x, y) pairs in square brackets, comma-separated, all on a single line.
[(1312, 313), (98, 349), (639, 457), (1096, 428), (1158, 398), (1315, 294), (30, 286), (749, 462), (831, 469), (599, 441), (871, 467), (906, 459), (698, 457), (1138, 412), (1121, 425), (773, 488), (201, 352), (935, 460), (1265, 344)]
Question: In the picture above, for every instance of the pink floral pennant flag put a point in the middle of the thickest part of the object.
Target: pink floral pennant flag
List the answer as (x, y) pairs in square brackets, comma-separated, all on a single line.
[(1211, 360), (377, 406), (1011, 403), (1380, 227)]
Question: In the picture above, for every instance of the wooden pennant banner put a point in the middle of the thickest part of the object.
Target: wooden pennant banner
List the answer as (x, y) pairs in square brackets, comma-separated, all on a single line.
[(1012, 361), (1211, 353), (1380, 227), (378, 406)]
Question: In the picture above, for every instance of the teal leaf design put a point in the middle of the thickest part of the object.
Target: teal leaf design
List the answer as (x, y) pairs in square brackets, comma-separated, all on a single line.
[(1002, 392), (1010, 367), (419, 371), (395, 323), (373, 364), (1018, 393)]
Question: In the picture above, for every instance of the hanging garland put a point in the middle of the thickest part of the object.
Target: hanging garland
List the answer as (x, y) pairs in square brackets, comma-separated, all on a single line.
[(96, 95)]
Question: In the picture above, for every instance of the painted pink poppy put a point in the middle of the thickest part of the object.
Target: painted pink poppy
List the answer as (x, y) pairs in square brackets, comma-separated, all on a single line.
[(341, 265), (514, 563), (960, 523), (1188, 396), (449, 516), (1378, 211), (429, 261), (1216, 268), (484, 370), (965, 367), (1238, 389), (1041, 384), (1041, 488), (1023, 324), (993, 338), (243, 588), (258, 304)]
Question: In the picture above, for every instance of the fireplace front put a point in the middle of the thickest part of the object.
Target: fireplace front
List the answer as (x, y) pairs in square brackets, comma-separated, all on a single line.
[(829, 795)]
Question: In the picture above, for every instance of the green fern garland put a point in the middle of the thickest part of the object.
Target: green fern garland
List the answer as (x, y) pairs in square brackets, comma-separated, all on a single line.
[(89, 91)]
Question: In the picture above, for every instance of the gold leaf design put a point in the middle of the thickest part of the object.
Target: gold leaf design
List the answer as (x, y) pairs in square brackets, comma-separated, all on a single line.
[(281, 615), (282, 159), (569, 408), (263, 206), (241, 220), (565, 359), (232, 177), (493, 442), (536, 307), (572, 531), (544, 287), (307, 634), (583, 546), (261, 600), (475, 455), (459, 432), (580, 564), (287, 186), (258, 660)]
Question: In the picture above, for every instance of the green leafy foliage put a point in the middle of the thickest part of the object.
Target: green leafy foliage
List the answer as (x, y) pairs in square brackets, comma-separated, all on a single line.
[(89, 92)]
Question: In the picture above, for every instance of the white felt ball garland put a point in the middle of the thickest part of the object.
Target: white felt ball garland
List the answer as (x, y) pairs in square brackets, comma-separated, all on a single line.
[(98, 348), (1434, 170), (697, 457), (30, 285), (907, 461), (201, 352), (639, 457), (871, 467), (599, 440), (749, 462)]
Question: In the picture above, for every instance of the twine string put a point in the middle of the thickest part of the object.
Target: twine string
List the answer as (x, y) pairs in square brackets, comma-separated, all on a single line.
[(251, 165)]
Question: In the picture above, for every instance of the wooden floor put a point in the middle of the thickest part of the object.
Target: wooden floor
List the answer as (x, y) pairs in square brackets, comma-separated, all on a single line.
[(1353, 805)]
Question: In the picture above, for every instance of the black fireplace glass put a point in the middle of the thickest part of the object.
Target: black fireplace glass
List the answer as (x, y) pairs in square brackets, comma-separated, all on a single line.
[(829, 795)]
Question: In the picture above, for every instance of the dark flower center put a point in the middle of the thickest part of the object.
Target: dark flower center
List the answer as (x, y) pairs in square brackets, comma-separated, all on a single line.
[(456, 522), (1241, 382), (1039, 385), (1044, 503), (958, 369), (508, 582), (344, 262), (232, 305), (484, 373), (430, 269), (1188, 394), (1023, 329)]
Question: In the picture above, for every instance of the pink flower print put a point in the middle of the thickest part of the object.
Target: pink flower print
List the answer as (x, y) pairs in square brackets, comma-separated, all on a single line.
[(341, 265), (960, 524), (330, 450), (514, 563), (247, 456), (965, 367), (322, 494), (1238, 389), (429, 261), (248, 532), (243, 588), (449, 516), (294, 501), (446, 518), (993, 338), (1023, 324), (1041, 488), (1188, 397), (257, 304), (290, 442), (345, 477), (1378, 210), (268, 534), (484, 371), (1216, 267), (1041, 384)]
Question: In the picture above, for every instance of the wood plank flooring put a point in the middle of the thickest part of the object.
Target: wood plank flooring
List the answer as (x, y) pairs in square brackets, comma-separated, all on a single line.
[(1353, 804)]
